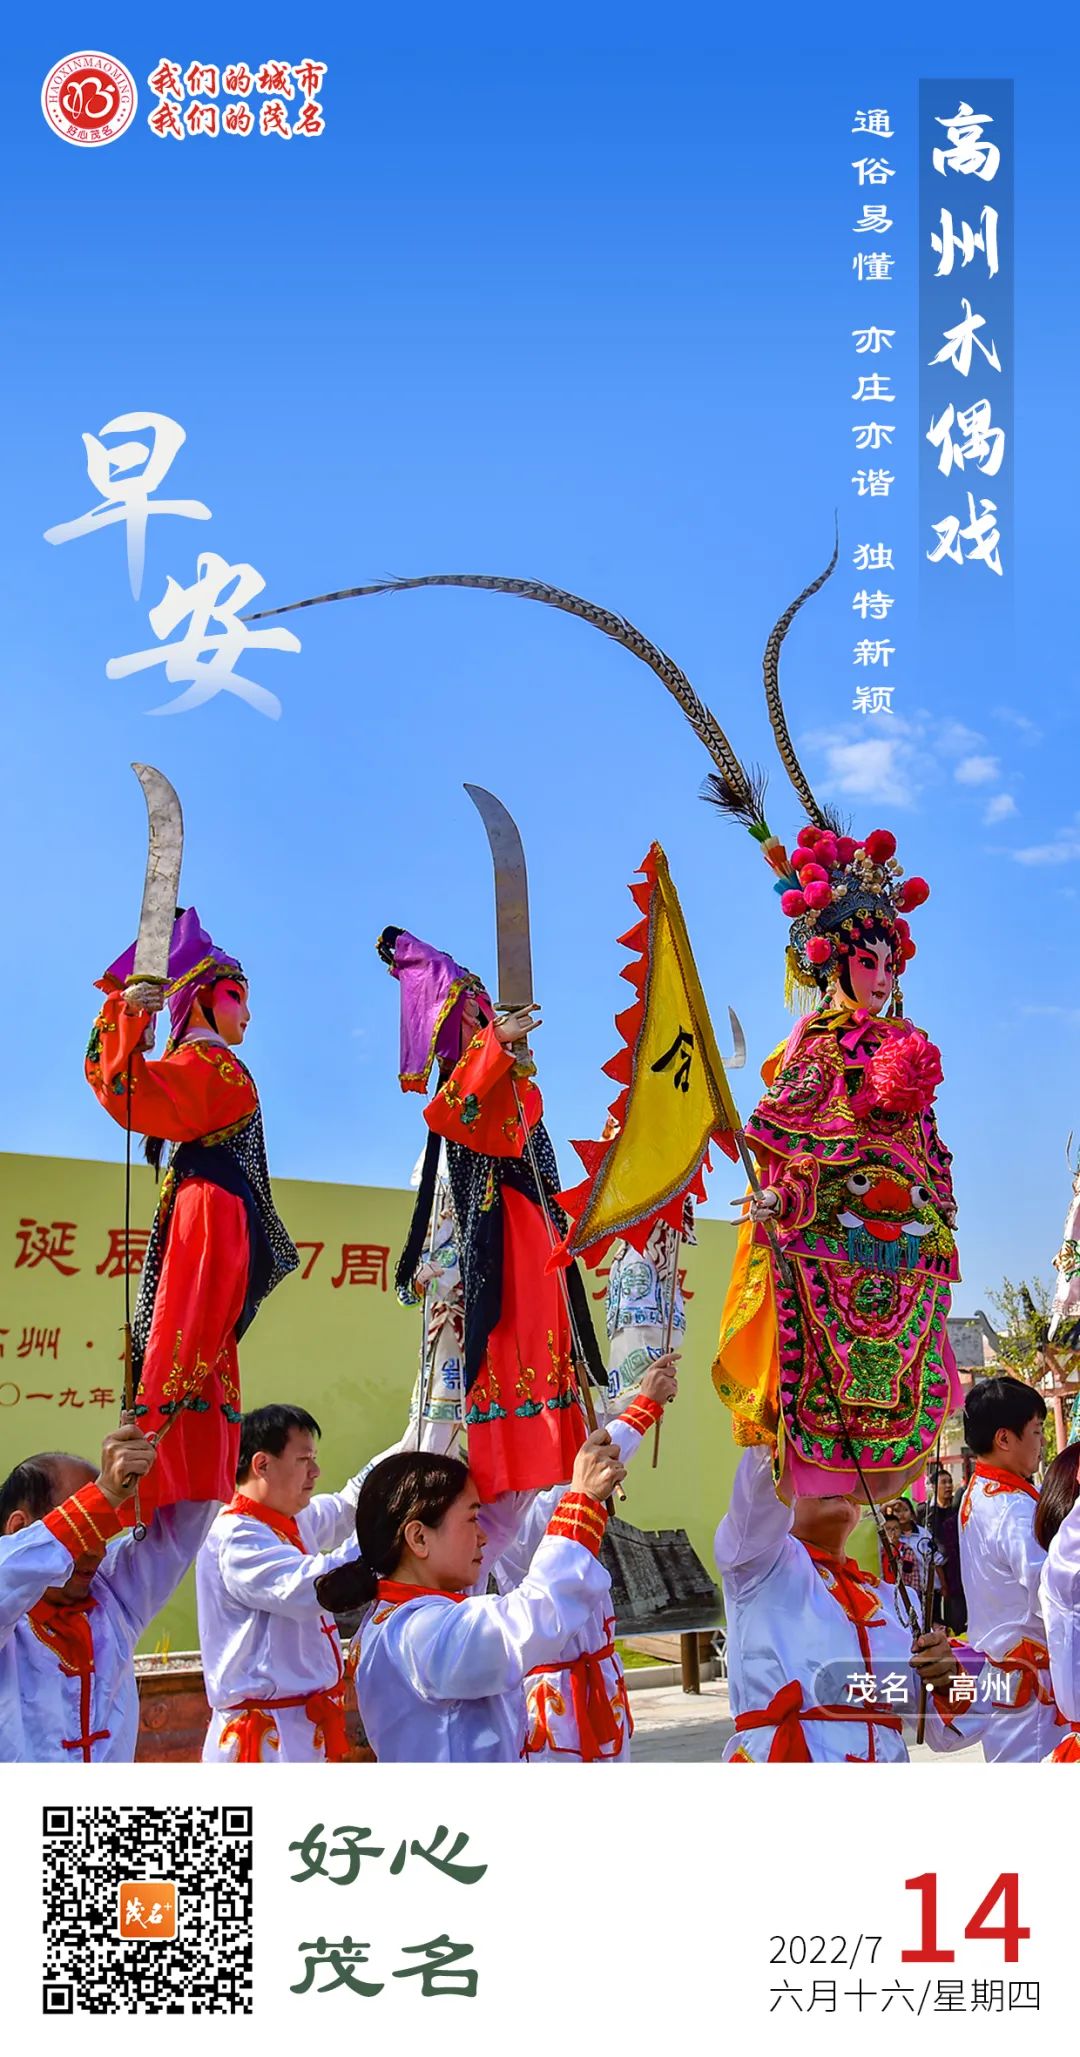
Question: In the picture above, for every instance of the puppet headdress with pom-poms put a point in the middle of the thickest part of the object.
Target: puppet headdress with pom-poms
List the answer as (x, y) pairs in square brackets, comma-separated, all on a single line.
[(832, 886)]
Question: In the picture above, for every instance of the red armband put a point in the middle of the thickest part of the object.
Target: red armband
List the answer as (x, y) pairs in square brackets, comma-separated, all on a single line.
[(86, 1522), (579, 1519), (642, 1413)]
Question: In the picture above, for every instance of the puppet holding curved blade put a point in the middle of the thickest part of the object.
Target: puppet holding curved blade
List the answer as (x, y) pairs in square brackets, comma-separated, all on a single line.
[(217, 1246), (161, 890), (525, 1329)]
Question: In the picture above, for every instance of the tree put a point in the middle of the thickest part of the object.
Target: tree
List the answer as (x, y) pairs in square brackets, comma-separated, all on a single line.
[(1023, 1315), (1023, 1312)]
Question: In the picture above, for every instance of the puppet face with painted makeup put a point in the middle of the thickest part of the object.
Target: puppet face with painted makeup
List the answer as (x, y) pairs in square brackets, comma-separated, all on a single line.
[(864, 975), (224, 1008)]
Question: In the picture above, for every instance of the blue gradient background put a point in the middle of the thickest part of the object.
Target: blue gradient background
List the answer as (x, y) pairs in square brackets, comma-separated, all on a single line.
[(575, 305)]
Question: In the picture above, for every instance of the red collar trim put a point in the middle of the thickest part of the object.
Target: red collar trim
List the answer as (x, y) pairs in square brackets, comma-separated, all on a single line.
[(1005, 1481), (854, 1589), (283, 1525), (394, 1591), (65, 1628), (845, 1565)]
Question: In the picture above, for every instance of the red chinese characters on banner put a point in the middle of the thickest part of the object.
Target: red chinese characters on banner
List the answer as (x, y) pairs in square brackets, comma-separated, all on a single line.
[(202, 119), (202, 78), (165, 81), (309, 77), (360, 1264), (275, 77), (165, 121), (46, 1243), (50, 1249), (53, 1243), (287, 90), (12, 1395), (273, 120), (310, 122), (363, 1264), (39, 1342), (126, 1253)]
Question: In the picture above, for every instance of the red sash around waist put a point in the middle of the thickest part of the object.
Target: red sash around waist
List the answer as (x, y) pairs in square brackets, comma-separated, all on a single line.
[(786, 1713), (594, 1714), (250, 1720)]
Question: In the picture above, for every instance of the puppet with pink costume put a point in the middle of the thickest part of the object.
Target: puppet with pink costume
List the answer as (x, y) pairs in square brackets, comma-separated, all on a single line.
[(842, 1281), (217, 1246), (834, 1344)]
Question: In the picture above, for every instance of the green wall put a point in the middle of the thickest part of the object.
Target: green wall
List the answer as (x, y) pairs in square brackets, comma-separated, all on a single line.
[(346, 1351)]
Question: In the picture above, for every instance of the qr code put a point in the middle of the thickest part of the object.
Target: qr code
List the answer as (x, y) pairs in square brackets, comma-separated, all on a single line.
[(147, 1910)]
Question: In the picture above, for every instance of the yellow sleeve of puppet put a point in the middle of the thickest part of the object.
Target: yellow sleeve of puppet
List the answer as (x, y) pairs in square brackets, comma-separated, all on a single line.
[(746, 1370)]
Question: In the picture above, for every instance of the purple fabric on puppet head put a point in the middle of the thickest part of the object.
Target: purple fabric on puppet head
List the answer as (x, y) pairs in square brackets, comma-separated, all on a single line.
[(433, 989), (194, 961)]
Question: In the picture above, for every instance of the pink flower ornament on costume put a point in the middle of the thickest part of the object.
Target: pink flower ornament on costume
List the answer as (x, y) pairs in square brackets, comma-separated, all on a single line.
[(902, 1077)]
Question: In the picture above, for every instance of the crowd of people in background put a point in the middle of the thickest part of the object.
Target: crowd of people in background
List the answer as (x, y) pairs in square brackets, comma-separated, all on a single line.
[(925, 1544)]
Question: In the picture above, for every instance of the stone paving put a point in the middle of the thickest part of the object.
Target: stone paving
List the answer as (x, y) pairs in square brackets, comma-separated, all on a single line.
[(673, 1727)]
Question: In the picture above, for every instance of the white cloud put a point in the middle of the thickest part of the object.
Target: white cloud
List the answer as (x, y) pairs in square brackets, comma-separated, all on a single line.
[(1022, 722), (952, 739), (1064, 849), (877, 768), (999, 808), (977, 771), (1069, 1014), (889, 760)]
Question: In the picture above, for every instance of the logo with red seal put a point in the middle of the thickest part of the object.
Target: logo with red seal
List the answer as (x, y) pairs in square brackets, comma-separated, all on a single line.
[(89, 98)]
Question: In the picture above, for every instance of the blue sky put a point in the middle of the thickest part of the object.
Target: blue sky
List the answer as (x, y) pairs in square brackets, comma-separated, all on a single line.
[(577, 307)]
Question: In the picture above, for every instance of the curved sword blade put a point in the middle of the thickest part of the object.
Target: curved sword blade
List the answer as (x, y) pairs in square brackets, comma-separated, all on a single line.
[(162, 884), (738, 1056), (511, 900)]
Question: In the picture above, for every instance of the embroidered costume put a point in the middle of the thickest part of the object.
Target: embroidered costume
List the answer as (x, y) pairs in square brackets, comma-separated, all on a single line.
[(519, 1389), (435, 1410), (834, 1345), (440, 1675), (217, 1247), (1002, 1567), (67, 1674), (859, 1316), (819, 1660)]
